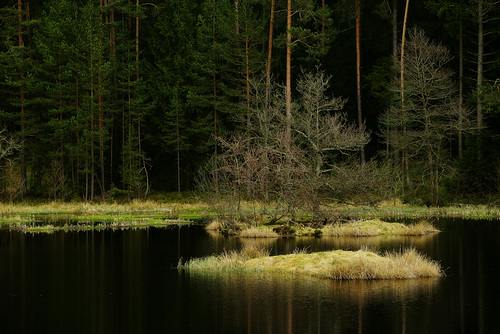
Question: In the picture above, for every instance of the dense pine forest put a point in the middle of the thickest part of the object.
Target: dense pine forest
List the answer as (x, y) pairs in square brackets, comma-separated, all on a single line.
[(292, 100)]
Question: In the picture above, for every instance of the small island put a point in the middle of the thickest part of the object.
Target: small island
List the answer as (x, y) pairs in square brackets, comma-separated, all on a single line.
[(351, 228), (335, 265)]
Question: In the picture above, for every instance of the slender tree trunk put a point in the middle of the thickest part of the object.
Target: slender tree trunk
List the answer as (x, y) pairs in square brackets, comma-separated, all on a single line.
[(101, 108), (214, 16), (395, 29), (178, 139), (269, 53), (288, 88), (247, 74), (461, 84), (237, 14), (404, 160), (112, 48), (138, 77), (480, 62), (358, 71), (403, 54), (394, 56), (22, 153), (323, 27), (92, 162), (76, 168)]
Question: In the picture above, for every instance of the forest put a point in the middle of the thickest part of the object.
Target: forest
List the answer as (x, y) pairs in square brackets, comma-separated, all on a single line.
[(277, 100)]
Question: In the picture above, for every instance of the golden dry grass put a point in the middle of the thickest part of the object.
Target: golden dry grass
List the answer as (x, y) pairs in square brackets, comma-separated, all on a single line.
[(99, 208), (336, 265), (258, 232), (225, 262), (374, 227)]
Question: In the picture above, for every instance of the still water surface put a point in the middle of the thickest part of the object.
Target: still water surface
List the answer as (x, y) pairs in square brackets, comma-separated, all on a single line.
[(126, 282)]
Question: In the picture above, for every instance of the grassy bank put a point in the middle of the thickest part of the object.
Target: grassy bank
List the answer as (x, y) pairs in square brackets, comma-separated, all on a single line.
[(52, 216), (336, 265), (91, 226), (396, 209), (57, 216)]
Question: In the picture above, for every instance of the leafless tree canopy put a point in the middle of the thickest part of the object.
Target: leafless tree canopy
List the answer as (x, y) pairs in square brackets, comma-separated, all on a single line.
[(430, 114), (265, 165)]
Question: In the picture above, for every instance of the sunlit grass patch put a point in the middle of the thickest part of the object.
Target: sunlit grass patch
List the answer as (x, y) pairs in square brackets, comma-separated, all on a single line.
[(376, 227), (258, 232), (225, 262), (336, 265)]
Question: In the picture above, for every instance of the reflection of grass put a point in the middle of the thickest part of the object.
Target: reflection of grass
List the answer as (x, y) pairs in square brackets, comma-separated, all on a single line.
[(337, 265)]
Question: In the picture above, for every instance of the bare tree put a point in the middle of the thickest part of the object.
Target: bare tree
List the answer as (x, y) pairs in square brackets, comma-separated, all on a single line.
[(8, 145), (10, 177), (431, 111), (318, 123)]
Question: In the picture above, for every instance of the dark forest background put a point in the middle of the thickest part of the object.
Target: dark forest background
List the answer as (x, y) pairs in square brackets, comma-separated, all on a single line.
[(117, 99)]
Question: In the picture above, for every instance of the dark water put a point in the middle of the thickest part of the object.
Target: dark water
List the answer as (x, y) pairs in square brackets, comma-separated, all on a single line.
[(126, 282)]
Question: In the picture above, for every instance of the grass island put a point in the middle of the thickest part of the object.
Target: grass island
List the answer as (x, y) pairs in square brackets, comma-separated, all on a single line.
[(336, 264)]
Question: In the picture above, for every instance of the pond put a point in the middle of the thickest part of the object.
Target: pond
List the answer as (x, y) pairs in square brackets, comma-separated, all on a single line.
[(127, 282)]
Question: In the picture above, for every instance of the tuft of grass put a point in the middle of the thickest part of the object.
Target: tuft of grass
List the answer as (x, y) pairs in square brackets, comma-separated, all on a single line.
[(335, 265), (214, 225), (374, 227), (258, 232), (226, 262)]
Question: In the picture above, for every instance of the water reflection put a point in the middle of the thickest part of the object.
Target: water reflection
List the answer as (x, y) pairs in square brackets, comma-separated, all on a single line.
[(126, 282), (288, 245), (284, 303)]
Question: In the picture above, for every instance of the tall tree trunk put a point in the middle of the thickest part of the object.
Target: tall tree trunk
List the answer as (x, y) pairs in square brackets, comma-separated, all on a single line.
[(288, 88), (395, 29), (461, 83), (214, 16), (323, 27), (178, 139), (112, 48), (404, 160), (358, 71), (247, 74), (137, 77), (92, 171), (76, 168), (22, 153), (480, 62), (394, 57), (101, 107), (269, 53), (237, 15)]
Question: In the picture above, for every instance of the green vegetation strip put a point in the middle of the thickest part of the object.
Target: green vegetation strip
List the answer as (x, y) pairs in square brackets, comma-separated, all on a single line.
[(335, 265), (359, 228), (117, 224)]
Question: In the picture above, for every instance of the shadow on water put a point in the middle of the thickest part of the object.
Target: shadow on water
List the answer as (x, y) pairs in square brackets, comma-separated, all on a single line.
[(126, 282)]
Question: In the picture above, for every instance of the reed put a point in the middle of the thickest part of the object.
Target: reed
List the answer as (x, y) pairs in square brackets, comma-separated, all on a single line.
[(335, 265)]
